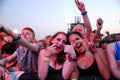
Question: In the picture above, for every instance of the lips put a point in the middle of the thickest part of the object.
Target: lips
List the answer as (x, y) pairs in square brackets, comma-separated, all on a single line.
[(58, 47), (78, 45)]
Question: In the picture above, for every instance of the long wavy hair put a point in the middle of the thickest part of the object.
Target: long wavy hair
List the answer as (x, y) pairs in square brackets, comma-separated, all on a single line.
[(61, 56)]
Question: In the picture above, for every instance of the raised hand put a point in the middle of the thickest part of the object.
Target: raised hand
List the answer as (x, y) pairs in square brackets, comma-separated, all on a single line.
[(70, 50), (99, 23), (51, 50), (80, 6)]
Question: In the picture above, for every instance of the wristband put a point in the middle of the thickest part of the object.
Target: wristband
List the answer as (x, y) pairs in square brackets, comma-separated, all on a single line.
[(74, 79), (84, 13), (46, 61), (71, 59)]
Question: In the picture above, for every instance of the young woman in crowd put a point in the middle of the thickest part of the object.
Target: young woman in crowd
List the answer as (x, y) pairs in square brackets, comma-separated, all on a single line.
[(91, 65), (53, 62)]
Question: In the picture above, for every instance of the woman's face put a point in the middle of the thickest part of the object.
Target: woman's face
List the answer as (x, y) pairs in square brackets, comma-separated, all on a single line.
[(28, 35), (59, 41), (77, 43)]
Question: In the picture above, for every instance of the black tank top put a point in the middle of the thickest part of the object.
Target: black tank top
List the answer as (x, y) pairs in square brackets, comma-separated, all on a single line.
[(54, 74), (92, 70), (91, 73)]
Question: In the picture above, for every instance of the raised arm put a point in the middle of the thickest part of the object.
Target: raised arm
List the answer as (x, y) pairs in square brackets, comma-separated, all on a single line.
[(99, 24), (22, 41), (86, 20), (70, 65), (108, 36), (44, 61)]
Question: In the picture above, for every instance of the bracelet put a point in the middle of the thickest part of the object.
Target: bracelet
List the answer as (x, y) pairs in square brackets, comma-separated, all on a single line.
[(74, 79), (71, 59), (46, 61), (84, 13), (18, 38)]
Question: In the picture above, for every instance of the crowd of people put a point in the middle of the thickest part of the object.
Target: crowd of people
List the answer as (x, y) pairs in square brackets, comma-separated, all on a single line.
[(82, 54)]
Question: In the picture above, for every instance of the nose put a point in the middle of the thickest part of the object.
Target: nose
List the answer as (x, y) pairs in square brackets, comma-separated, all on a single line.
[(24, 35), (60, 43), (78, 41)]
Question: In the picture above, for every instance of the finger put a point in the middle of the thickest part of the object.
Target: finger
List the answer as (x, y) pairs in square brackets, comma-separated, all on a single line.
[(54, 45), (77, 2)]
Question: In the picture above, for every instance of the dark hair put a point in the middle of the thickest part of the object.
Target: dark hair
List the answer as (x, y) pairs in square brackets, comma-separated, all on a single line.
[(30, 29), (104, 41), (60, 32), (68, 35), (9, 48), (77, 33)]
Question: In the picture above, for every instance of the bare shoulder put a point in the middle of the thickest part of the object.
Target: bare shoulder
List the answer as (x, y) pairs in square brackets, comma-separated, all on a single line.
[(110, 48), (42, 50), (110, 45)]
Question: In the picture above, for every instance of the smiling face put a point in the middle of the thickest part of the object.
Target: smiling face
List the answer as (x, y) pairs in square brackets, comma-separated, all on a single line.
[(28, 35), (77, 43), (59, 40), (78, 28)]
